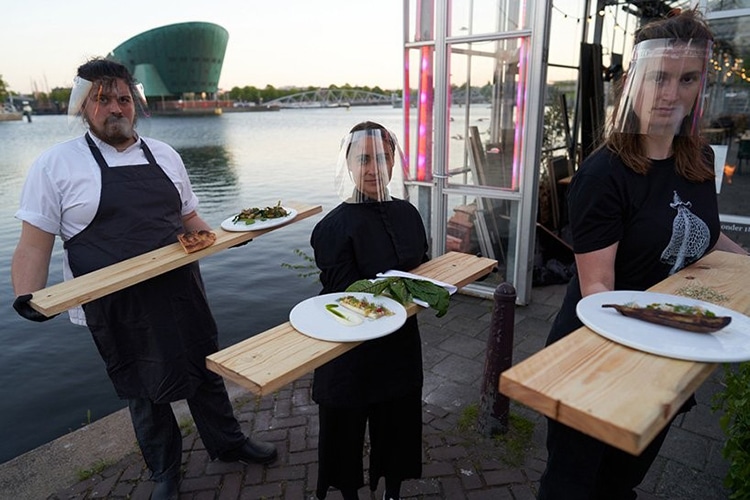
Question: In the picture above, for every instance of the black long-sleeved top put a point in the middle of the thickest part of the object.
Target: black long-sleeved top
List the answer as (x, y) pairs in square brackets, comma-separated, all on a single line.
[(357, 241)]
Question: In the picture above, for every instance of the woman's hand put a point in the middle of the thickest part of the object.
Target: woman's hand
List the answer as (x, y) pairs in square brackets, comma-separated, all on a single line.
[(726, 244)]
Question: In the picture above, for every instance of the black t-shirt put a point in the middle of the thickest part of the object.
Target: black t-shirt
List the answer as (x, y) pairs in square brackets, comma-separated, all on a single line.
[(661, 222)]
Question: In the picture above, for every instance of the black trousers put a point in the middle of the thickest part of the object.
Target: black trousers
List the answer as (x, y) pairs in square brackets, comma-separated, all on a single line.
[(395, 432), (159, 435), (580, 467)]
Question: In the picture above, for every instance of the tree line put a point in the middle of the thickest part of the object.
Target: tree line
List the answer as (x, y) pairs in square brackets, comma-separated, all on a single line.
[(268, 93), (57, 98)]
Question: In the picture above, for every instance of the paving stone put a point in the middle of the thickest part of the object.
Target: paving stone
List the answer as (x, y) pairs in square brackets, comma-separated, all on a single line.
[(286, 473), (523, 492), (143, 491), (231, 485), (303, 457), (686, 447), (200, 483), (680, 482), (294, 490), (196, 464), (452, 395), (436, 468), (297, 439), (123, 490), (459, 369), (463, 345), (503, 477), (433, 357), (267, 490), (490, 494), (103, 488), (253, 476), (419, 488), (470, 480), (447, 452), (452, 488)]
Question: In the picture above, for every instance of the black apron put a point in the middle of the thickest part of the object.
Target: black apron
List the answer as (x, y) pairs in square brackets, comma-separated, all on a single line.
[(153, 336)]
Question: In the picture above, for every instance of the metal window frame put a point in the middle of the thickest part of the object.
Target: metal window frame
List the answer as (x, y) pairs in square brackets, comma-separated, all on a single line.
[(524, 224)]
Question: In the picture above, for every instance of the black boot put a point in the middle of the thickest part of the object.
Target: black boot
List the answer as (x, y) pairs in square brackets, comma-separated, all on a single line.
[(252, 451), (168, 489)]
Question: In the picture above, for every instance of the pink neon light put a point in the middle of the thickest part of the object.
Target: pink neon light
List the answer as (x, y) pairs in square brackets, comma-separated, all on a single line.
[(424, 139), (518, 137), (405, 104)]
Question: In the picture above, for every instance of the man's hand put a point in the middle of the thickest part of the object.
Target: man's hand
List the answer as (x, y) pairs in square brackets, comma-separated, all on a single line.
[(22, 307)]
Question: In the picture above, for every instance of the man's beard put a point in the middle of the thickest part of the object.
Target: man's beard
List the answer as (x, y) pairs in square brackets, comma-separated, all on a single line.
[(116, 131)]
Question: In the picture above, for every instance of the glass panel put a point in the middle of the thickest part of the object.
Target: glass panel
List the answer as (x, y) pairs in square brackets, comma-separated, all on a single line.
[(727, 120), (719, 5), (566, 23), (560, 106), (475, 17), (488, 97), (421, 24), (483, 226)]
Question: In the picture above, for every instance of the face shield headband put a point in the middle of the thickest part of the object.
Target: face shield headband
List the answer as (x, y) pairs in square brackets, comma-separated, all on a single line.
[(664, 88), (82, 88), (369, 167)]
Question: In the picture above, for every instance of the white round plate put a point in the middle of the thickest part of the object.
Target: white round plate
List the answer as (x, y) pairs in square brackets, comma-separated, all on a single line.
[(311, 318), (240, 226), (731, 344)]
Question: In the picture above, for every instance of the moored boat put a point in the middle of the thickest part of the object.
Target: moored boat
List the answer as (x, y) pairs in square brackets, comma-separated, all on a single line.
[(8, 114)]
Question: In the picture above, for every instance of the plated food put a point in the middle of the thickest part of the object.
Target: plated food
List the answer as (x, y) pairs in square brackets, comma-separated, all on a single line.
[(256, 219), (343, 317), (325, 317), (692, 318), (729, 344), (252, 215), (193, 241), (364, 307)]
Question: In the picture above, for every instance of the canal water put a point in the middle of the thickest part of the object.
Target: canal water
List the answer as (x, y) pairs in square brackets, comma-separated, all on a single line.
[(52, 380)]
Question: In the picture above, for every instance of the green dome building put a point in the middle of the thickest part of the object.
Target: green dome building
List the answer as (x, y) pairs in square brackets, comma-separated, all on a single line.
[(177, 61)]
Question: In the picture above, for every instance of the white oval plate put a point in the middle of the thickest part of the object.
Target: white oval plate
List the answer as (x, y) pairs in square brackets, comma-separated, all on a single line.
[(228, 225), (731, 344), (311, 318)]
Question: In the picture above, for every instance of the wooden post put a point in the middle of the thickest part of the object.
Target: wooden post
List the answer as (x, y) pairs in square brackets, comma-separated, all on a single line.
[(493, 406)]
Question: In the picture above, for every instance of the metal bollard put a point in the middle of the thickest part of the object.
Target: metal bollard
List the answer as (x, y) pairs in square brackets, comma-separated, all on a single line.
[(493, 406)]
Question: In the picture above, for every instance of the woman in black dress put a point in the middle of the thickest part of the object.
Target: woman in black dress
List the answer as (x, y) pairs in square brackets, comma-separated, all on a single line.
[(378, 384)]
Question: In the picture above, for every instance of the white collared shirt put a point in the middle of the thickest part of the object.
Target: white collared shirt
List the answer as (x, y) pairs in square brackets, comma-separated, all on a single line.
[(62, 188)]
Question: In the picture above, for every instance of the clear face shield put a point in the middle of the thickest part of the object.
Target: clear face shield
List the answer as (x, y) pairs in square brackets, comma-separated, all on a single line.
[(370, 167), (664, 88), (83, 89)]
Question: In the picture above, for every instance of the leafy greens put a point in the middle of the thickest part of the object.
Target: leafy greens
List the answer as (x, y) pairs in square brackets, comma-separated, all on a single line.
[(404, 290)]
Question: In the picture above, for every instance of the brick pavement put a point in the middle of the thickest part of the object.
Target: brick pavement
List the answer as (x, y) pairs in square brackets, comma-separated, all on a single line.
[(458, 462)]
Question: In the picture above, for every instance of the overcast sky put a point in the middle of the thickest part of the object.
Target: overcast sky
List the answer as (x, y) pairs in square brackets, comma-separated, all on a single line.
[(276, 42)]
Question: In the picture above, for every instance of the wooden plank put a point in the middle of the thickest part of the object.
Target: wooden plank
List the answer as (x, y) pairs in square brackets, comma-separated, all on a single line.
[(620, 395), (63, 296), (270, 360)]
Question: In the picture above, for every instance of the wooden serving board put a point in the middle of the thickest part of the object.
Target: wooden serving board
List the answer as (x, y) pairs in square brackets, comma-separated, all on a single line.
[(270, 360), (63, 296), (620, 395)]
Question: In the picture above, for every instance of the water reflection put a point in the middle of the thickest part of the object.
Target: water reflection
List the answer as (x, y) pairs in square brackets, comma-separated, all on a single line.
[(213, 175)]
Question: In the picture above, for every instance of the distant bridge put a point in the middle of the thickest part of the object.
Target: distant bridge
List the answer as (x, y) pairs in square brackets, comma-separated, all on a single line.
[(328, 98)]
